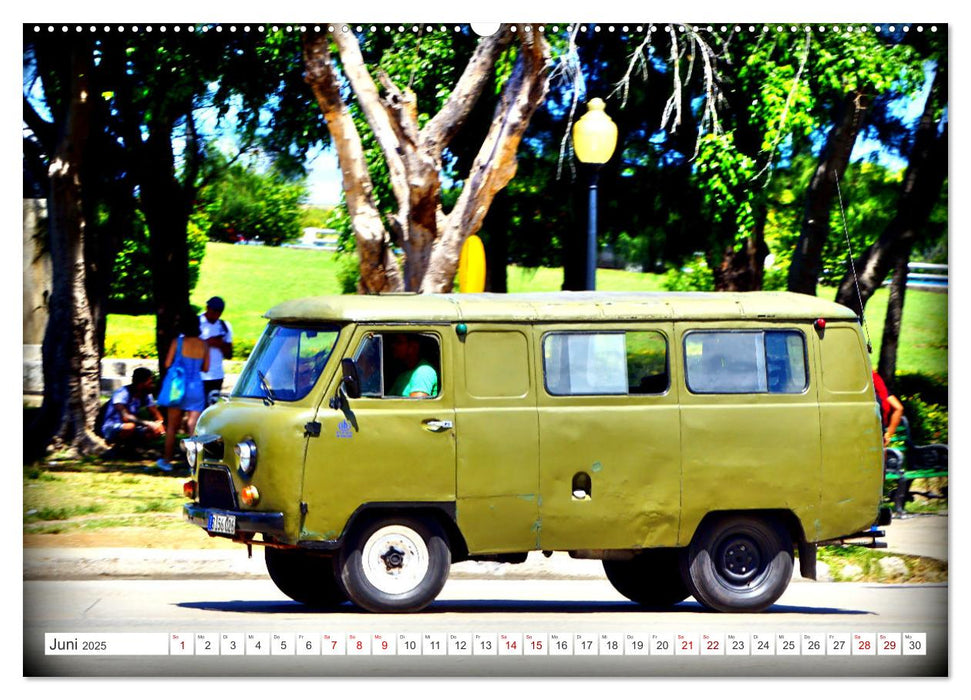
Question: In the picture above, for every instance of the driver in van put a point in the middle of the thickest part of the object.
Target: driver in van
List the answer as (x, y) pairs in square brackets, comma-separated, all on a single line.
[(418, 379)]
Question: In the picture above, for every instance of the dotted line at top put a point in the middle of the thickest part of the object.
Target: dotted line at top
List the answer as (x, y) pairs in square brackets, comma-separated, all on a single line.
[(428, 29)]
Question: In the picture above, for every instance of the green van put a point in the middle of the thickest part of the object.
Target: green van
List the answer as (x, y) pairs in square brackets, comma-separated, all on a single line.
[(690, 441)]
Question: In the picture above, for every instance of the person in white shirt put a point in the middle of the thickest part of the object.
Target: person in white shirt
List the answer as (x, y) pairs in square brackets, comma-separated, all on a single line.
[(218, 334)]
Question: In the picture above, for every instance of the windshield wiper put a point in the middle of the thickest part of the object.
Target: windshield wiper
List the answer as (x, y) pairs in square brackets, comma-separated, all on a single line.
[(268, 398)]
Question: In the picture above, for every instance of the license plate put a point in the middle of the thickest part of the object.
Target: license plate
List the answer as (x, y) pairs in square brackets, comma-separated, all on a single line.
[(223, 524)]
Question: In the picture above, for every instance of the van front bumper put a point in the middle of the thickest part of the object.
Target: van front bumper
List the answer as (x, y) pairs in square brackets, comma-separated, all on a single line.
[(246, 522)]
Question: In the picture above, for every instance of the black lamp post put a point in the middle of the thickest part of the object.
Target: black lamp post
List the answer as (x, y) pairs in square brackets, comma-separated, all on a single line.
[(594, 140)]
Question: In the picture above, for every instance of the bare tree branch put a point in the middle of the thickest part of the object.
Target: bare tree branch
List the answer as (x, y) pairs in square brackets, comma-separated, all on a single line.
[(638, 57), (568, 70)]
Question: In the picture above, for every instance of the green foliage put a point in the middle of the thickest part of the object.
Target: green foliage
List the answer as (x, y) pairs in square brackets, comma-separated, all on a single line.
[(425, 64), (926, 387), (928, 421), (244, 203), (724, 175), (348, 273), (632, 248), (869, 193), (348, 267), (316, 217), (775, 278), (694, 277), (131, 279)]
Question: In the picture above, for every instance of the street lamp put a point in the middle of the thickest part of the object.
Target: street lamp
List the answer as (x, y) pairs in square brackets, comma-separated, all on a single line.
[(594, 140)]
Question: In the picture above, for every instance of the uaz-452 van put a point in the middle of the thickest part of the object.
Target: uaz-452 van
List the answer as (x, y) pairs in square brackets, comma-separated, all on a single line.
[(692, 442)]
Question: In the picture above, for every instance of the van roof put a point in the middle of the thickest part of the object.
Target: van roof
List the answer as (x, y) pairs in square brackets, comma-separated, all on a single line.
[(560, 306)]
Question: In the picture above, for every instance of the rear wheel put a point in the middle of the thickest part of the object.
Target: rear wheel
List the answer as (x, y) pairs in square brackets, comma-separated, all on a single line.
[(652, 578), (738, 563), (307, 578), (395, 564)]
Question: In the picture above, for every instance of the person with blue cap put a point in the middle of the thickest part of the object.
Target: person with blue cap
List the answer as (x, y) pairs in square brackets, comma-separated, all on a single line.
[(218, 335)]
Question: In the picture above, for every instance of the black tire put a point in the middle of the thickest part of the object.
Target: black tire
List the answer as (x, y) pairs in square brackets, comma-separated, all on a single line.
[(738, 563), (652, 578), (395, 564), (305, 577)]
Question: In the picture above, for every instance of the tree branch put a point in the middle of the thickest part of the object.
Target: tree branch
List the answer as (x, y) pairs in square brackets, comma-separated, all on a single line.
[(376, 113), (440, 130), (379, 269), (495, 164)]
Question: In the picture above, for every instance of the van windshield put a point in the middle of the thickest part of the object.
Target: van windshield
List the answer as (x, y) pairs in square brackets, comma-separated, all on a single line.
[(286, 362)]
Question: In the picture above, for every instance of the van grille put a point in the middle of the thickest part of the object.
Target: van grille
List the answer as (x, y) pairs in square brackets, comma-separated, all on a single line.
[(216, 488)]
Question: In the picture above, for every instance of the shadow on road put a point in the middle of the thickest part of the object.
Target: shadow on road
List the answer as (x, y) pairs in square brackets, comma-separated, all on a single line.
[(495, 607)]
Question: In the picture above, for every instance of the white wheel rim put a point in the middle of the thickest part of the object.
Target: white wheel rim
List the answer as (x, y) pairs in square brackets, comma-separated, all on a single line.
[(395, 559)]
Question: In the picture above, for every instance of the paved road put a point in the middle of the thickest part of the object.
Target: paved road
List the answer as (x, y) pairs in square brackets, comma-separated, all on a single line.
[(468, 606), (920, 535)]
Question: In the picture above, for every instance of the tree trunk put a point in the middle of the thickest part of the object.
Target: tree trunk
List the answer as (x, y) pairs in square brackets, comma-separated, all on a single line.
[(743, 270), (380, 271), (430, 239), (166, 209), (887, 368), (807, 257), (71, 363), (921, 187), (497, 244)]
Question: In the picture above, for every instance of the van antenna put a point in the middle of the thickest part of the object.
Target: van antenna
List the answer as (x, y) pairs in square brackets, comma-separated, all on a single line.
[(849, 254)]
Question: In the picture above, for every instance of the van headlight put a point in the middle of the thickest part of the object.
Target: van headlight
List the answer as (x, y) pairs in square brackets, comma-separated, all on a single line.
[(192, 450), (246, 452)]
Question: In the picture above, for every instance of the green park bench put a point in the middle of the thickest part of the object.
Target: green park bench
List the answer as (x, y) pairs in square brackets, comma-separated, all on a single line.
[(905, 463)]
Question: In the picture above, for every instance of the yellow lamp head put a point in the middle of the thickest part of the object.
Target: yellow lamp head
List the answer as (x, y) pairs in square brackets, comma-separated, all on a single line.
[(594, 134)]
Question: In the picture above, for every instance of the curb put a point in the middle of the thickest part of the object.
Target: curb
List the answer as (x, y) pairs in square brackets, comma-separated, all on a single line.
[(43, 564)]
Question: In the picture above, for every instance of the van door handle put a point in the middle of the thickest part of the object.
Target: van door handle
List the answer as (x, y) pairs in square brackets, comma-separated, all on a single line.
[(436, 426)]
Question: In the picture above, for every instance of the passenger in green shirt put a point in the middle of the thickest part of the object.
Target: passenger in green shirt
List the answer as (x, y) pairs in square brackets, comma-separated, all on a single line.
[(419, 379)]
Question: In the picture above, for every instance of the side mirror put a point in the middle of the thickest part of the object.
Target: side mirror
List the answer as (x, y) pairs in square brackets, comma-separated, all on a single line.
[(350, 380)]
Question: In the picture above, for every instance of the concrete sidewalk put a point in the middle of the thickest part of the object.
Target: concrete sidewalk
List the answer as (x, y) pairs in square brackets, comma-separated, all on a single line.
[(923, 535), (918, 535)]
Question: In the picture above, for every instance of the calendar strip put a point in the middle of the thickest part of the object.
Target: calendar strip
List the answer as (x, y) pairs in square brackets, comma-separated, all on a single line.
[(513, 644)]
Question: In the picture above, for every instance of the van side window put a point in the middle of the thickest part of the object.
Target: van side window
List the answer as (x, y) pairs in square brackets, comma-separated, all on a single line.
[(399, 365), (611, 363), (745, 362)]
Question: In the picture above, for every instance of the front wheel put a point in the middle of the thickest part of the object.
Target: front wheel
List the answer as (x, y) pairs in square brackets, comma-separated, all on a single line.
[(738, 563), (395, 564), (652, 578), (305, 577)]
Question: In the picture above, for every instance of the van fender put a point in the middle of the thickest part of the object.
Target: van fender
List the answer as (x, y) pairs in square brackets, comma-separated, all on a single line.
[(443, 512), (789, 520)]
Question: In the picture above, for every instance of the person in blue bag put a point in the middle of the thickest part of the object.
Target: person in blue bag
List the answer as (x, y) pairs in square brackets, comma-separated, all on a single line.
[(182, 392)]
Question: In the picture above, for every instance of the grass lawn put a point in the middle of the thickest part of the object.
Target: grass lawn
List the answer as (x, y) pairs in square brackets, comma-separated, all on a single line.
[(254, 278)]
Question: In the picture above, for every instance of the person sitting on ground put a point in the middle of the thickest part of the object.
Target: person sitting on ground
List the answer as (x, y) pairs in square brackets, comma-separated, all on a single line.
[(122, 423), (418, 379)]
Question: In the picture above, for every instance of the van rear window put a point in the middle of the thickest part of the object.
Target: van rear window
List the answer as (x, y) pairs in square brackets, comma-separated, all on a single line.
[(745, 362), (608, 363)]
